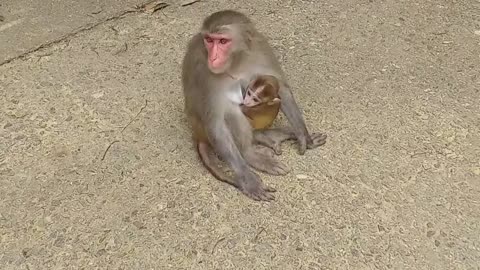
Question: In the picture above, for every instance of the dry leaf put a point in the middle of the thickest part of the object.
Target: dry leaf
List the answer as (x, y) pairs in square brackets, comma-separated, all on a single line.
[(154, 6), (188, 2)]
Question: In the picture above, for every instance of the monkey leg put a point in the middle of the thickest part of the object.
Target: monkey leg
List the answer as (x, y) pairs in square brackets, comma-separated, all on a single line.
[(262, 159), (273, 138), (210, 161), (232, 141)]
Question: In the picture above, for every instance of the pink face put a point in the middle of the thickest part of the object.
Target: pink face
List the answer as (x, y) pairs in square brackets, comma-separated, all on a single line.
[(251, 98), (218, 47)]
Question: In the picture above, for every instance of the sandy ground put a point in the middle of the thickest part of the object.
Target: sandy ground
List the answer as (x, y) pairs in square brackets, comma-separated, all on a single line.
[(394, 84)]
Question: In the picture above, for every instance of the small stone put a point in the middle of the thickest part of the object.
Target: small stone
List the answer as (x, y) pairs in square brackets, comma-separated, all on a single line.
[(56, 202), (477, 32), (26, 253), (97, 95), (59, 241), (429, 225), (101, 252), (302, 176), (380, 228), (430, 234), (437, 243), (19, 137), (69, 118), (476, 171), (139, 225)]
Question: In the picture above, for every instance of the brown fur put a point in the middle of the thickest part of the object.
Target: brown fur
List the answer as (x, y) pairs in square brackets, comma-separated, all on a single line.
[(216, 122)]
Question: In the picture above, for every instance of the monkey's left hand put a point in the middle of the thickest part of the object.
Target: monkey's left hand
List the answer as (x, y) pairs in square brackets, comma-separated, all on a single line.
[(310, 141), (316, 140)]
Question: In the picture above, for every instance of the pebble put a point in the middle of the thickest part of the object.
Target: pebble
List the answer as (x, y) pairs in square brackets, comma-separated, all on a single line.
[(97, 95)]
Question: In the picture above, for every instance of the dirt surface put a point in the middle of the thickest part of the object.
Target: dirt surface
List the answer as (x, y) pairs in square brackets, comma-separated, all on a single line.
[(97, 170), (28, 24)]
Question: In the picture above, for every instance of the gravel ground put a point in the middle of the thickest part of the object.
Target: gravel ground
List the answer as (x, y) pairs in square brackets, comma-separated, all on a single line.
[(97, 169)]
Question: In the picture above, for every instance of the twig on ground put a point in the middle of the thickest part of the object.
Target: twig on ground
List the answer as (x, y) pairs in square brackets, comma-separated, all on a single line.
[(108, 148), (139, 112), (216, 244), (258, 234)]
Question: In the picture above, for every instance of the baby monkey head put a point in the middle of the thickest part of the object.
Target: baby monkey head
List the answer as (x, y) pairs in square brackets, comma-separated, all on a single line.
[(262, 90)]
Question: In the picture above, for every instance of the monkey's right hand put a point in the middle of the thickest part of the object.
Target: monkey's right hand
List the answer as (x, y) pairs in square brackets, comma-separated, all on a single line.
[(251, 185)]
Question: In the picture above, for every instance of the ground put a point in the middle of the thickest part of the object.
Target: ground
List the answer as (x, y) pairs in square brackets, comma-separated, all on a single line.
[(97, 169)]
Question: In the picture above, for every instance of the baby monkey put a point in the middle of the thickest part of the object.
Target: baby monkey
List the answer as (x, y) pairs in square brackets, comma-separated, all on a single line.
[(261, 102)]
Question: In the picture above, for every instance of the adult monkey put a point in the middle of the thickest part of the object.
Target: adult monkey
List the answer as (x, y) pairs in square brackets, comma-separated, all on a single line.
[(228, 49)]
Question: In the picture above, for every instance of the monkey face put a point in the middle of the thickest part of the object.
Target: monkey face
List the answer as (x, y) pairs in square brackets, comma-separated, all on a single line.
[(219, 47), (251, 98)]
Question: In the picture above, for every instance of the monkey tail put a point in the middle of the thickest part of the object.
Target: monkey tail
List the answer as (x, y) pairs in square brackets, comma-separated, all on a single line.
[(204, 151)]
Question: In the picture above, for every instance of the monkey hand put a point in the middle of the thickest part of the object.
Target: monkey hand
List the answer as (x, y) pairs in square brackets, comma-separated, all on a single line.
[(315, 140), (251, 185), (310, 141)]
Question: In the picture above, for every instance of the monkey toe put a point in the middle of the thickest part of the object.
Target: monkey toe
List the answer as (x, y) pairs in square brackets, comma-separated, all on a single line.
[(282, 169), (275, 168), (270, 189), (277, 149), (318, 139), (251, 185), (261, 194)]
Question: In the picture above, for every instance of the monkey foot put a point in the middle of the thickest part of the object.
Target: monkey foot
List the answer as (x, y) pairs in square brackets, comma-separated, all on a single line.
[(251, 185), (262, 159), (273, 138)]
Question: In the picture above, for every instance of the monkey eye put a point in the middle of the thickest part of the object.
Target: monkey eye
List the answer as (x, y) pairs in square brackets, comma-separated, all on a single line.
[(223, 41), (256, 99), (249, 93), (209, 39)]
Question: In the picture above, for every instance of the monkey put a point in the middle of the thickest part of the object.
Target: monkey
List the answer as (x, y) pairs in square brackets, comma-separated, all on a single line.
[(229, 48), (261, 102)]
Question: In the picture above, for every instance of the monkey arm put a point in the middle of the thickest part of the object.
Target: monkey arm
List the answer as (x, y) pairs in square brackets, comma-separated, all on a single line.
[(222, 141), (294, 116)]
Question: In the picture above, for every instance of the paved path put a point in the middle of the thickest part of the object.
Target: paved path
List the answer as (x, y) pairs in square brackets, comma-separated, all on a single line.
[(97, 170)]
